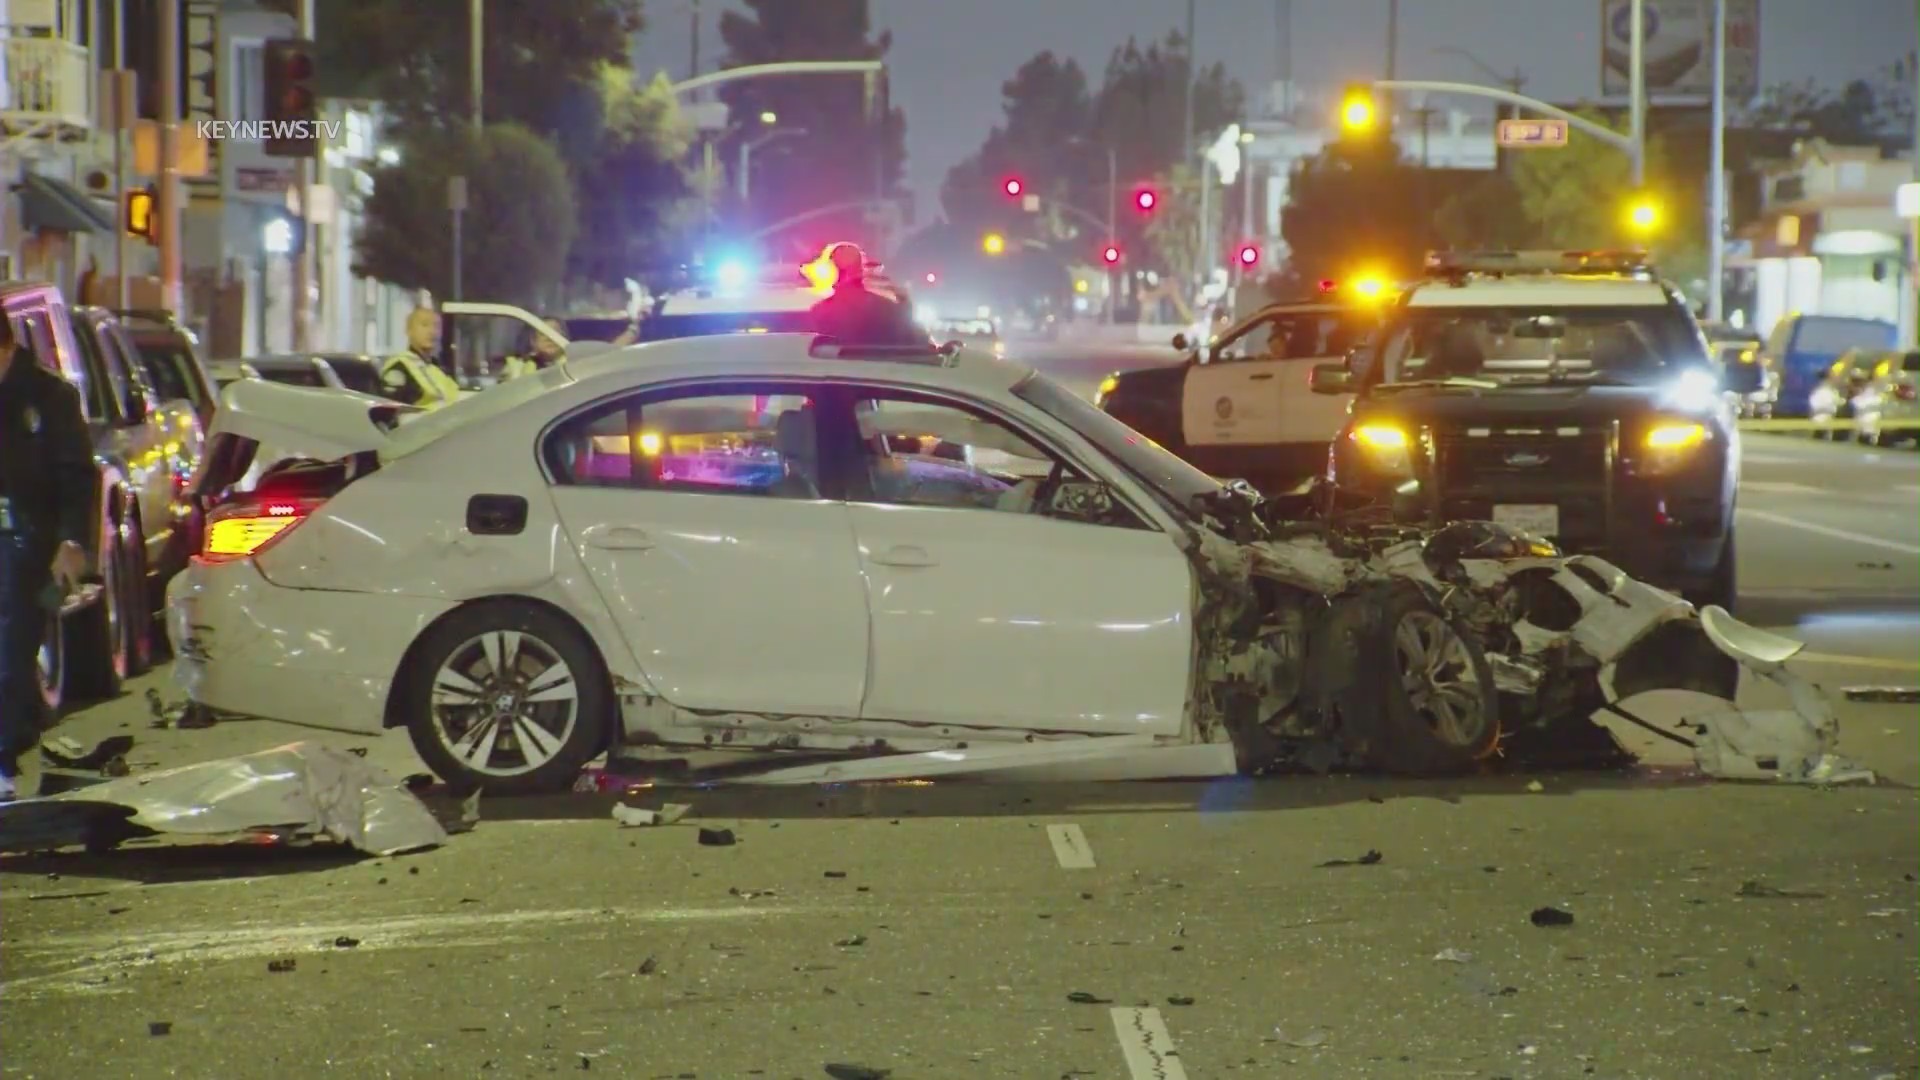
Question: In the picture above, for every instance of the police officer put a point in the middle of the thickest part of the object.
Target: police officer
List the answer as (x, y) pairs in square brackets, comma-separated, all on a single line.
[(543, 354), (422, 381), (856, 313), (47, 482)]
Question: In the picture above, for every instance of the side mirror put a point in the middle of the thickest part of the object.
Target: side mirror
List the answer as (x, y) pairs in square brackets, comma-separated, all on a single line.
[(1082, 500), (1180, 343), (1739, 378), (1330, 379)]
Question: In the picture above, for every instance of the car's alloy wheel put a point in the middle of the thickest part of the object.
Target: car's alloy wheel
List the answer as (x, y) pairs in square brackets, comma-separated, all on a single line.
[(1440, 679), (51, 663), (504, 703)]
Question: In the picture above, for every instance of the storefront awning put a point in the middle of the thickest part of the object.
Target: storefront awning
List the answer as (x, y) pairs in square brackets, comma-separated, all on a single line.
[(51, 204)]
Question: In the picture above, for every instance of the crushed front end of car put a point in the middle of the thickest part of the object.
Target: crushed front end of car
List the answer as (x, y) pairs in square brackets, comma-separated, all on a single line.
[(1326, 645)]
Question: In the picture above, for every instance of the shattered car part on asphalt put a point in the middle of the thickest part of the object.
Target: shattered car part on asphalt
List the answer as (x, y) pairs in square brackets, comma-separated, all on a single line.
[(305, 788)]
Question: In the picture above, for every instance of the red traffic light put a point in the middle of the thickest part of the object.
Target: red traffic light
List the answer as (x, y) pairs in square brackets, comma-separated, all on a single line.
[(1249, 255), (1111, 254), (932, 278), (1146, 199), (1013, 187)]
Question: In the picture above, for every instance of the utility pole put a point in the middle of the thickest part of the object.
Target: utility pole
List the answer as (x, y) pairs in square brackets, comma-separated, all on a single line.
[(476, 46), (1113, 231), (123, 118), (303, 247), (169, 193), (1637, 90), (1193, 64), (1717, 172), (693, 45), (1393, 38)]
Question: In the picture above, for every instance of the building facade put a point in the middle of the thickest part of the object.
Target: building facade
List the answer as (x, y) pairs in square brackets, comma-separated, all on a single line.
[(59, 151)]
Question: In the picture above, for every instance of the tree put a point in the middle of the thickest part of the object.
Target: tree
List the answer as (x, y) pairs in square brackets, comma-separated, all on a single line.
[(539, 62), (1482, 216), (856, 143), (632, 194), (1864, 111), (1174, 229), (1043, 139), (520, 215), (1577, 195), (1352, 207), (1142, 106)]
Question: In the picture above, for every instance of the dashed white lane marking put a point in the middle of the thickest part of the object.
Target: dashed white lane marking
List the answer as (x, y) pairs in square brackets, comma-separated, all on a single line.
[(1146, 1045), (1828, 530), (1778, 487), (1070, 847)]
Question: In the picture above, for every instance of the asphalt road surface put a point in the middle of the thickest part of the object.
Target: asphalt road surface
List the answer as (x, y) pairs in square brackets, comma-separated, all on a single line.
[(1125, 931)]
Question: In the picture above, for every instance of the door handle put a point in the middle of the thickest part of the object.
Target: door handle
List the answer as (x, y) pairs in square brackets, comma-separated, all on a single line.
[(619, 538), (904, 555)]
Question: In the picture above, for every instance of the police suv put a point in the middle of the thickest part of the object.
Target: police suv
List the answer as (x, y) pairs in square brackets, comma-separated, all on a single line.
[(1567, 394)]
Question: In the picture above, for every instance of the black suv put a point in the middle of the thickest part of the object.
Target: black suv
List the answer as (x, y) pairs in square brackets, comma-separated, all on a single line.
[(1569, 395)]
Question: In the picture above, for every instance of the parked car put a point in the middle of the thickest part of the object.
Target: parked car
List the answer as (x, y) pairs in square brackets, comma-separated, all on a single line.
[(103, 632), (1886, 409), (1804, 348), (159, 439), (710, 542), (171, 355)]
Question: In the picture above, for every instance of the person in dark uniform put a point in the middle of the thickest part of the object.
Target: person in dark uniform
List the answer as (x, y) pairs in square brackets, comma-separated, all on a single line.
[(47, 482), (858, 314)]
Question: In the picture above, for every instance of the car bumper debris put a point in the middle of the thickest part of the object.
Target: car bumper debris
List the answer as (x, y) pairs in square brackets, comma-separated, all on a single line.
[(302, 790)]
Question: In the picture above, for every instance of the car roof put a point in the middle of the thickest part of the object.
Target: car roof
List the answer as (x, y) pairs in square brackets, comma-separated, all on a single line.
[(1540, 290), (704, 302), (750, 356)]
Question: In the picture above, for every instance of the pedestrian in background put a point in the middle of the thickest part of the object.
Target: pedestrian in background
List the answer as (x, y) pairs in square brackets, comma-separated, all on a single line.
[(47, 482)]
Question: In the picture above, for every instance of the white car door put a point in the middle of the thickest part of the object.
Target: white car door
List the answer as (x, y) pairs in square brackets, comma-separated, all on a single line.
[(697, 514), (986, 610)]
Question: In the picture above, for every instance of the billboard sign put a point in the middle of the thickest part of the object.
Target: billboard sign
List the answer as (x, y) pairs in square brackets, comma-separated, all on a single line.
[(1678, 49)]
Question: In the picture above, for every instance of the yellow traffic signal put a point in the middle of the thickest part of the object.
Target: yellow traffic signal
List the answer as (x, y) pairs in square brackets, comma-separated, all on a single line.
[(993, 244), (1358, 113), (139, 213), (1643, 215)]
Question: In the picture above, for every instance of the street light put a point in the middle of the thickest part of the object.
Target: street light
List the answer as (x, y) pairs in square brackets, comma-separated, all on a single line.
[(993, 244), (743, 178)]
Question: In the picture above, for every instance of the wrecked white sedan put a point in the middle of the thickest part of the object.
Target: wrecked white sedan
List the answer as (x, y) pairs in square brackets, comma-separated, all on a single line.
[(766, 543)]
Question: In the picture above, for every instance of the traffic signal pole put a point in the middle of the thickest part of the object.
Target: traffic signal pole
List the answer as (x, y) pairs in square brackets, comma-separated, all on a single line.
[(169, 200), (303, 247)]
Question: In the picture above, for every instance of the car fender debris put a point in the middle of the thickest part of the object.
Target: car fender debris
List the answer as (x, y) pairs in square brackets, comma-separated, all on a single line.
[(1082, 997), (856, 1072), (635, 817), (282, 965), (716, 838), (1371, 858), (298, 790)]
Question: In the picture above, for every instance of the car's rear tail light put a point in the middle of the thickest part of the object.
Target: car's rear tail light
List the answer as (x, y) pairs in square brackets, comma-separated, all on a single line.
[(243, 529)]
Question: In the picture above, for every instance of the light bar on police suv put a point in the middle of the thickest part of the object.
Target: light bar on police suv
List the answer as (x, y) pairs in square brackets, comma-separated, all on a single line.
[(1624, 261)]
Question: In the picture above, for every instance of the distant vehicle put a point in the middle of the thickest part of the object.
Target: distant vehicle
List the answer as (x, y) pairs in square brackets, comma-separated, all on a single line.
[(1241, 407), (1889, 393), (1803, 349), (171, 355), (978, 333), (1568, 395), (1729, 346), (298, 369)]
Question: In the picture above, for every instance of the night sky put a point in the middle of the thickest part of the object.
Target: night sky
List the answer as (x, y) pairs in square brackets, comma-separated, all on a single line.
[(950, 56)]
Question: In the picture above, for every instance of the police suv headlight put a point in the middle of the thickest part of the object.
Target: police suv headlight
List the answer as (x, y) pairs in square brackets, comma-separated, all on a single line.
[(1694, 391)]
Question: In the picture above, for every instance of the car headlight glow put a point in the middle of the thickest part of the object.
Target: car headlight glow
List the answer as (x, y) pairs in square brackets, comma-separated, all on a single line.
[(1385, 445), (1676, 436), (1694, 391)]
